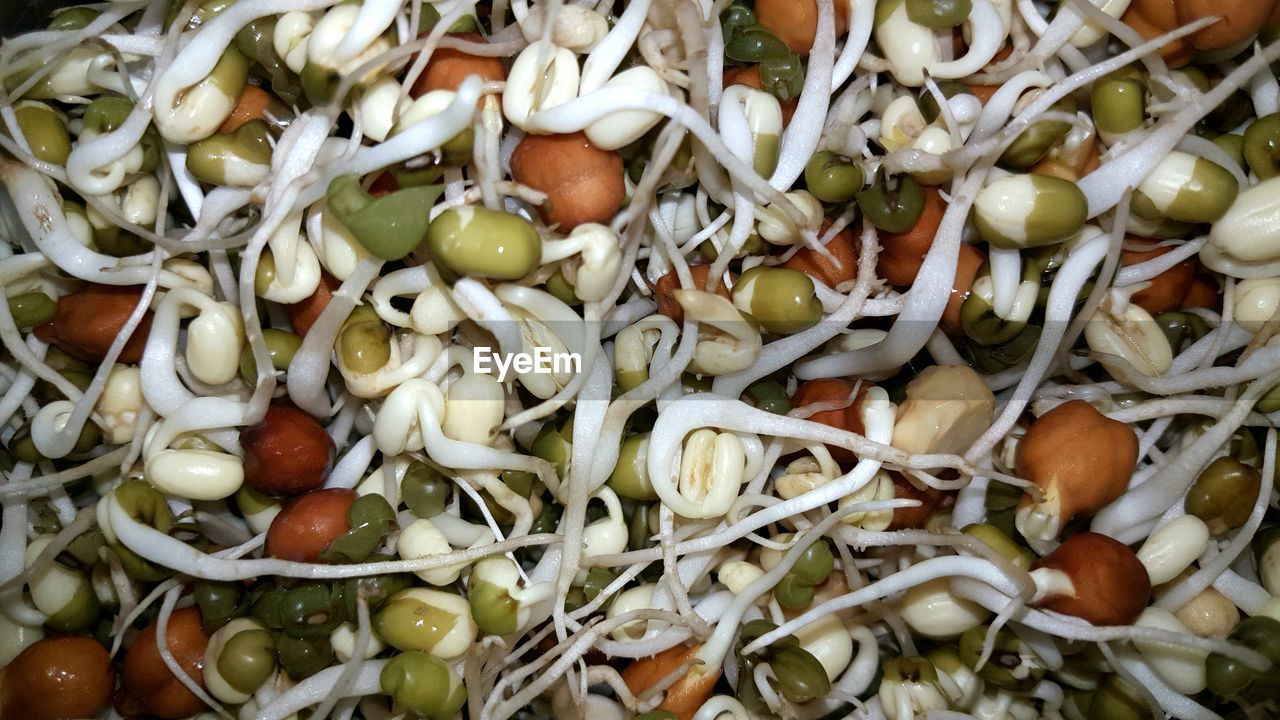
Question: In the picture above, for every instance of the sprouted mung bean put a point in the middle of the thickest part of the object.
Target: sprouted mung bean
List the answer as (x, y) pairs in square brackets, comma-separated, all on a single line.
[(921, 360)]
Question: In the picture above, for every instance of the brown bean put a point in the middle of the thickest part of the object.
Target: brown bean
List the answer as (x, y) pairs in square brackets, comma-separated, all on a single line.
[(87, 321), (57, 679), (307, 524), (448, 67), (795, 22), (286, 453), (583, 183), (913, 517), (302, 315), (669, 283), (848, 414), (252, 105), (687, 694), (841, 267), (1167, 289), (1203, 293), (1239, 20), (1109, 584), (149, 688), (967, 265), (1093, 473), (1153, 18), (901, 254)]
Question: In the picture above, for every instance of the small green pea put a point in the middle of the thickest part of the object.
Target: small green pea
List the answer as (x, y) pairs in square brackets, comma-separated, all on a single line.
[(303, 657), (559, 286), (1223, 494), (282, 345), (939, 14), (892, 204), (31, 309), (782, 300), (424, 490), (256, 40), (1262, 146), (389, 227), (998, 358), (219, 602), (69, 19), (1029, 210), (1011, 665), (554, 445), (928, 103), (423, 684), (492, 607), (308, 611), (770, 396), (484, 243), (1114, 699), (1201, 198), (1119, 102), (737, 16), (376, 589), (81, 611), (1233, 146), (106, 113), (407, 623), (45, 131), (801, 677), (782, 76), (980, 322), (370, 518), (1227, 677), (248, 660), (753, 44), (364, 343), (831, 178), (630, 477), (1036, 141), (1180, 327), (239, 158), (997, 540)]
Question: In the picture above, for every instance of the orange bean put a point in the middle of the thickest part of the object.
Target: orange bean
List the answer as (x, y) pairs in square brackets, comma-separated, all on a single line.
[(1167, 289), (87, 321), (302, 315), (149, 688), (1095, 472), (795, 22), (983, 92), (1239, 20), (843, 268), (1152, 18), (834, 391), (251, 106), (583, 183), (669, 283), (914, 517), (287, 453), (306, 525), (687, 694), (971, 258), (1109, 585), (448, 67), (901, 254), (57, 678), (1203, 293)]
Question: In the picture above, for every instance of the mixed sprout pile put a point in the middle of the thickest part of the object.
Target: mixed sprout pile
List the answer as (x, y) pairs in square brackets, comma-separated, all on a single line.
[(918, 360)]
